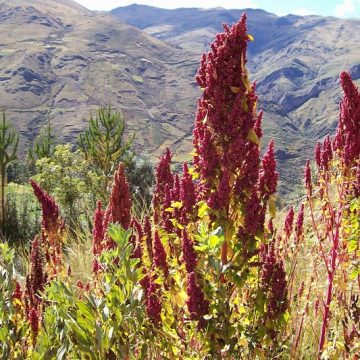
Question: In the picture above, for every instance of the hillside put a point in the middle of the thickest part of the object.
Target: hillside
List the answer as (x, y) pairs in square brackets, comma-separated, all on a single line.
[(60, 61), (295, 60)]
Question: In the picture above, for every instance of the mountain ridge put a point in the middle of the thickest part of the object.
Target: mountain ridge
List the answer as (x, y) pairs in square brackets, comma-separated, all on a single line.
[(61, 62)]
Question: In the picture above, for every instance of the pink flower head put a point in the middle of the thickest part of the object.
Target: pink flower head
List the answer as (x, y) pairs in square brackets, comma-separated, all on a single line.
[(119, 208), (34, 320), (348, 132), (219, 200), (50, 210), (189, 254), (257, 126), (318, 155), (227, 128), (268, 176), (159, 254), (187, 191), (163, 176), (300, 222), (197, 305), (307, 178), (327, 154), (17, 293), (148, 234), (254, 214), (273, 280), (37, 277), (289, 222), (98, 230), (153, 302)]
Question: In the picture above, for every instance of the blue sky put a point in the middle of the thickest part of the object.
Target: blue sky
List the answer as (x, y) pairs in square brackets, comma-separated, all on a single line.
[(340, 8)]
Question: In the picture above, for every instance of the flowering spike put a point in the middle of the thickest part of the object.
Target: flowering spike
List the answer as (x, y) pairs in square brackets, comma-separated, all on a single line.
[(300, 222), (159, 254), (268, 176), (307, 178), (153, 302), (148, 234), (227, 128), (196, 303), (348, 131), (187, 191), (37, 277), (257, 126), (164, 177), (98, 230), (273, 280), (289, 222), (189, 254), (119, 208), (34, 323), (50, 210)]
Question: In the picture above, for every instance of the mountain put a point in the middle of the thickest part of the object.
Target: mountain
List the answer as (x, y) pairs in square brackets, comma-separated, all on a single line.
[(295, 60), (60, 61)]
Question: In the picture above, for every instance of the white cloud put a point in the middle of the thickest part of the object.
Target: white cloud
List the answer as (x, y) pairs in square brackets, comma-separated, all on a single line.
[(347, 7), (111, 4)]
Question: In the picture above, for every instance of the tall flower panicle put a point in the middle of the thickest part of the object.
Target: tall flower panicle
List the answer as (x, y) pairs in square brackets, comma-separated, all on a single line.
[(220, 199), (159, 254), (273, 280), (227, 128), (268, 176), (254, 215), (36, 279), (187, 191), (348, 131), (98, 230), (307, 178), (299, 222), (137, 240), (163, 177), (17, 293), (289, 222), (153, 302), (197, 305), (318, 154), (327, 154), (189, 254), (34, 320), (50, 210), (148, 239), (119, 208)]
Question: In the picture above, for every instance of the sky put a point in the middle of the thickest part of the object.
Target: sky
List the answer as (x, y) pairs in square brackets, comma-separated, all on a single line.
[(339, 8)]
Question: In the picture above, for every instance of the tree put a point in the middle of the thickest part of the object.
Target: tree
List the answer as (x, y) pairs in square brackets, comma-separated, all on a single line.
[(44, 144), (9, 140), (103, 145)]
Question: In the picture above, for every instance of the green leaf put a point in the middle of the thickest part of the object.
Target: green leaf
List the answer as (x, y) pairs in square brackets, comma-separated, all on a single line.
[(253, 137)]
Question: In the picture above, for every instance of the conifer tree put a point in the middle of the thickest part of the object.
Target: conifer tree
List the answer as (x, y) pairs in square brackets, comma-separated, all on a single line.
[(43, 145), (103, 145), (9, 140)]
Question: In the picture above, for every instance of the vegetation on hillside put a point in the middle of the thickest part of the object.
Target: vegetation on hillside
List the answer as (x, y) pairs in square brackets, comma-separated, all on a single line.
[(210, 270)]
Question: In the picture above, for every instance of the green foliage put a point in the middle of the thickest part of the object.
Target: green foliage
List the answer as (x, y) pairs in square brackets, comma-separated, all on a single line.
[(67, 176), (22, 216), (9, 140), (140, 175), (44, 144), (13, 328), (103, 145)]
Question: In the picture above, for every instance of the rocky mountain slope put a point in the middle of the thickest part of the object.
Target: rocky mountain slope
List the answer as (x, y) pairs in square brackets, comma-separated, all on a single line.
[(60, 61), (295, 60)]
